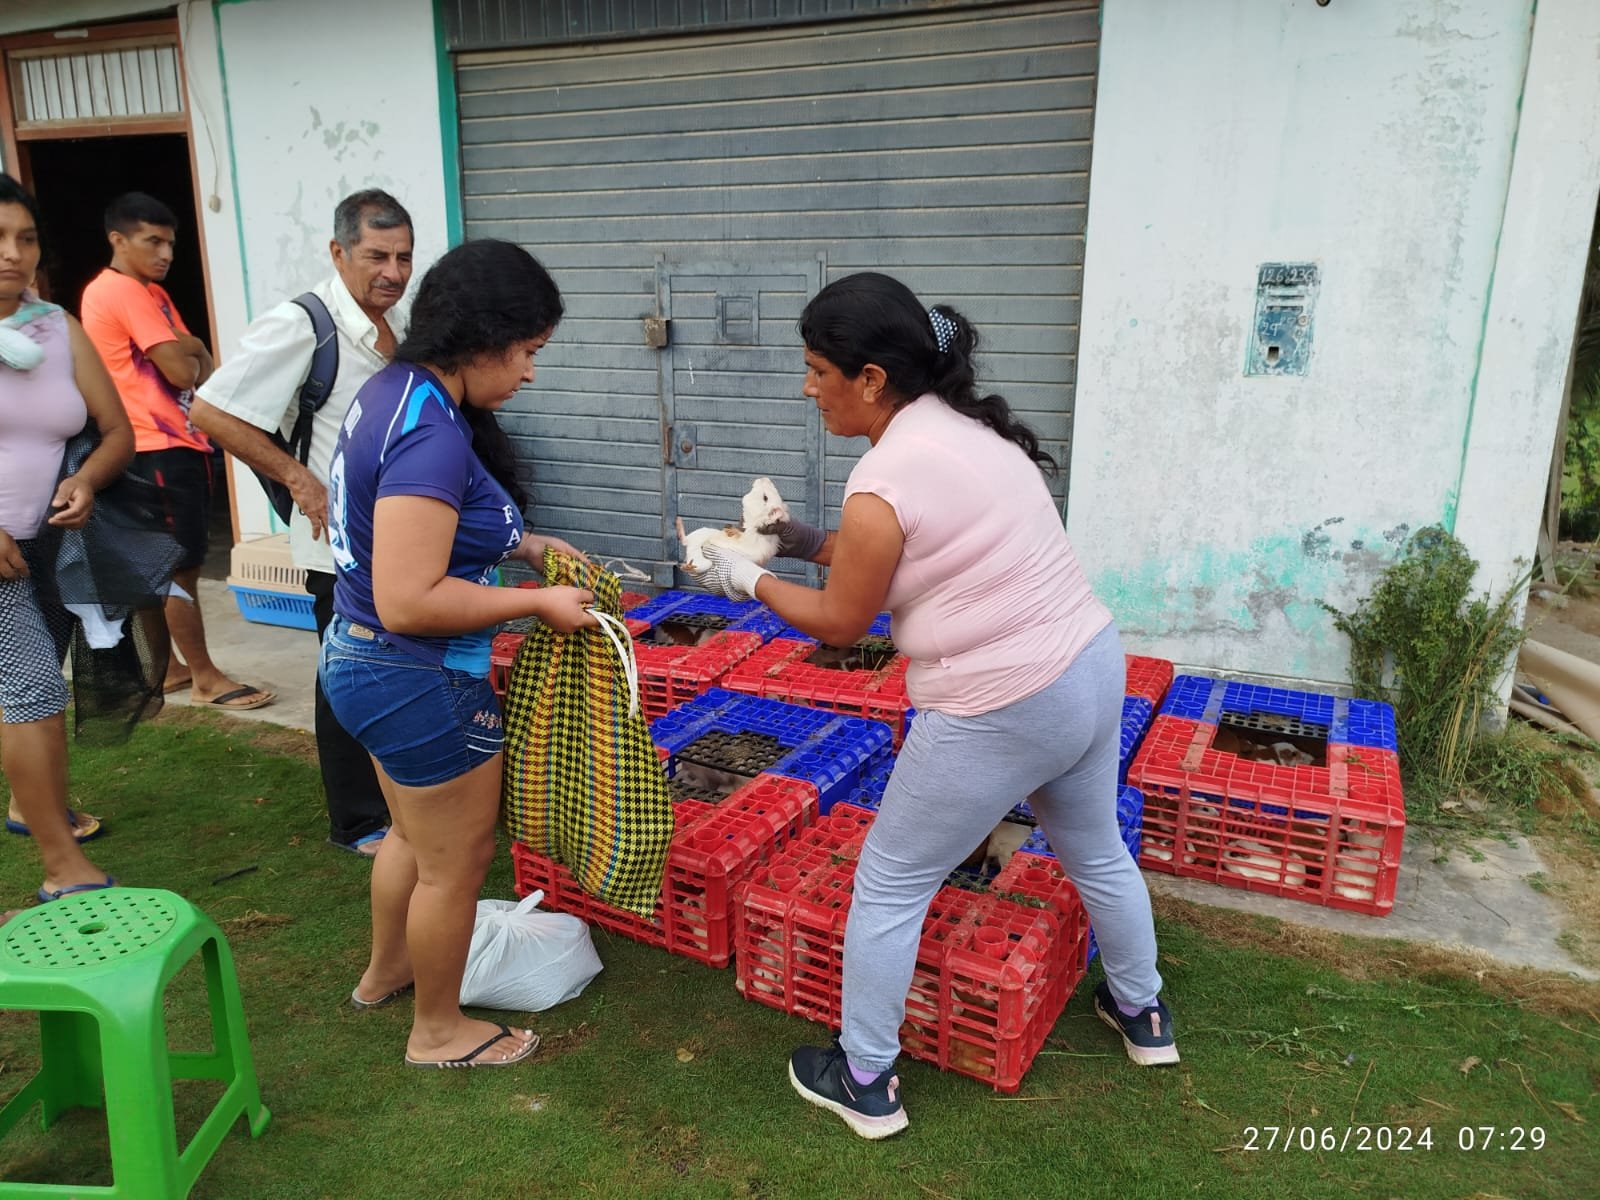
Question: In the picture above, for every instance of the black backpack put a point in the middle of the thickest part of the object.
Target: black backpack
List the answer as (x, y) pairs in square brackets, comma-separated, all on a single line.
[(314, 393)]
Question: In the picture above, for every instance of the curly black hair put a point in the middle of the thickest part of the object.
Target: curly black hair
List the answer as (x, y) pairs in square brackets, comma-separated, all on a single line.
[(871, 317), (478, 301)]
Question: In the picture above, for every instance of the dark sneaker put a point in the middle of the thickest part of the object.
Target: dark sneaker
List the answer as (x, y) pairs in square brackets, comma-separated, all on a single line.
[(1147, 1037), (822, 1075)]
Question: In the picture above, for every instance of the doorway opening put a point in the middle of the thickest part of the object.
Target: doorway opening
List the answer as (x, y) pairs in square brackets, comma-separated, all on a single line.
[(75, 178)]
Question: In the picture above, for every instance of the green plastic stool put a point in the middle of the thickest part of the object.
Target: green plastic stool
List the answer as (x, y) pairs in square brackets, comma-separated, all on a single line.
[(95, 967)]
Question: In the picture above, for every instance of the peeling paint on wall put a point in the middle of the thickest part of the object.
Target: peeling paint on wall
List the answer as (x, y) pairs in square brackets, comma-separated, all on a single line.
[(1273, 587)]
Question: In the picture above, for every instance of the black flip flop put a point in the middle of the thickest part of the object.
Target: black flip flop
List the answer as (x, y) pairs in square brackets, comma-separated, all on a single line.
[(239, 693), (472, 1060)]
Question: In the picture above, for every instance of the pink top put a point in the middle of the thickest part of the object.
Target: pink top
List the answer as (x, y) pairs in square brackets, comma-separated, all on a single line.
[(988, 600), (39, 410)]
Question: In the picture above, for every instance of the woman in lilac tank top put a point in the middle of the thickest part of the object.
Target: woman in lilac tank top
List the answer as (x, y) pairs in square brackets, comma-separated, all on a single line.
[(51, 383), (1016, 671)]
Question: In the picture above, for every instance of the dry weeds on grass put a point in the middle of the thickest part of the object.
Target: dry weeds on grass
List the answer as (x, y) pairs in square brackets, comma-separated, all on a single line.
[(1363, 960), (1574, 883)]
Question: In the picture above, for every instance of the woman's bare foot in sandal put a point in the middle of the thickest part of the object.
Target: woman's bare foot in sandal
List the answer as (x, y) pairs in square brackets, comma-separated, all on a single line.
[(485, 1037), (374, 991)]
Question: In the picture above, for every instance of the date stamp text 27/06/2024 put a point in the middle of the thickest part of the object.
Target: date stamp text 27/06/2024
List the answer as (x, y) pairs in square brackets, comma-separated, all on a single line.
[(1308, 1139)]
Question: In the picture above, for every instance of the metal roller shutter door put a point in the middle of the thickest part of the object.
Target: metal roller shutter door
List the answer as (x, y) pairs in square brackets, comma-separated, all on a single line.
[(718, 180)]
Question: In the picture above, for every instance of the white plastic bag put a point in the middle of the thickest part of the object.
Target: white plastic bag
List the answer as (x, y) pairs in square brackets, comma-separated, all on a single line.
[(525, 960)]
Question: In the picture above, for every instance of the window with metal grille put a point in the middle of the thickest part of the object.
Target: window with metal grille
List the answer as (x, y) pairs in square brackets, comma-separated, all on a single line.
[(106, 82)]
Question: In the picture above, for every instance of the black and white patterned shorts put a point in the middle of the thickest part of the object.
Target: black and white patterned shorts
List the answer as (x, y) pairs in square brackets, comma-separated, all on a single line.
[(34, 636)]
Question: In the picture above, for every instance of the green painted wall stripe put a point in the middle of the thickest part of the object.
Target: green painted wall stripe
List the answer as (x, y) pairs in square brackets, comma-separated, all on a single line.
[(233, 161), (449, 131)]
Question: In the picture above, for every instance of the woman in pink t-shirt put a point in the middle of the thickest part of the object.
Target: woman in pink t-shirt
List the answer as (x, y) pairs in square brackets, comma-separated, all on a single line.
[(51, 383), (1016, 671)]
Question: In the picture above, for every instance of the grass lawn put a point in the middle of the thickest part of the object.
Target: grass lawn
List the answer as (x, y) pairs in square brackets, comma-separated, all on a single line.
[(661, 1081)]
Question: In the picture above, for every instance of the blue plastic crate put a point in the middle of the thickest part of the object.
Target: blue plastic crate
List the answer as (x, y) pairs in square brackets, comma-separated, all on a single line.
[(880, 628), (1188, 697), (744, 616), (1137, 713), (1348, 722), (825, 749), (868, 793), (289, 609)]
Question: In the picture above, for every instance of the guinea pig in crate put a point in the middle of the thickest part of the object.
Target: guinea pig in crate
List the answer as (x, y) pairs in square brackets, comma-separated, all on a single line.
[(753, 538)]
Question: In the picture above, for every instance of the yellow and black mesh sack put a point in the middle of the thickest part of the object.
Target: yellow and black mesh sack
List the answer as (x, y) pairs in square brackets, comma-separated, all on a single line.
[(583, 784)]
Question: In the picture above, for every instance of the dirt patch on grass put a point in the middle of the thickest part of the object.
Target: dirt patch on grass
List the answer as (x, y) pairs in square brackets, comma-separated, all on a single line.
[(1362, 959), (555, 1043), (254, 922), (262, 735), (1574, 883)]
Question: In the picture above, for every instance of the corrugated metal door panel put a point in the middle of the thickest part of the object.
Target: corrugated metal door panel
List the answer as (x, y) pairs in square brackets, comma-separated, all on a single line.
[(950, 148), (480, 24)]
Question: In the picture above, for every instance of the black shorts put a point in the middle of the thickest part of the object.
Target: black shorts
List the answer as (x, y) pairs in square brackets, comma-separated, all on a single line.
[(184, 477)]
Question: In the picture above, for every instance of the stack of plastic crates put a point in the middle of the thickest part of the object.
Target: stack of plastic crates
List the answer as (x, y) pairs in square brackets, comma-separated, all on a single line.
[(714, 848), (1293, 793), (724, 734), (795, 667), (994, 969), (687, 642)]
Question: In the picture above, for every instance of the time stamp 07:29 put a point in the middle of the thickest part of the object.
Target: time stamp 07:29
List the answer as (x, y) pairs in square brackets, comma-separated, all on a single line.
[(1308, 1139)]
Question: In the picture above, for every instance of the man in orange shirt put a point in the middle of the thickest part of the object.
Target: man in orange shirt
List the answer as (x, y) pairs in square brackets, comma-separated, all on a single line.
[(156, 364)]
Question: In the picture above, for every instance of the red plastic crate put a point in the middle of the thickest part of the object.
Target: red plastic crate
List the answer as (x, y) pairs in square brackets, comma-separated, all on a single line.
[(503, 649), (1327, 835), (1148, 677), (993, 973), (670, 675), (502, 653), (531, 870), (714, 854), (714, 848), (779, 671), (992, 979)]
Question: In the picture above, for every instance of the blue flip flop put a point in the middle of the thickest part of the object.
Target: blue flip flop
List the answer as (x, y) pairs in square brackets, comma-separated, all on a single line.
[(21, 830), (74, 888), (354, 847)]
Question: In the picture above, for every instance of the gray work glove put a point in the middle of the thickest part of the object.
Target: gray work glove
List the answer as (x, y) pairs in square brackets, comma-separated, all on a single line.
[(796, 539)]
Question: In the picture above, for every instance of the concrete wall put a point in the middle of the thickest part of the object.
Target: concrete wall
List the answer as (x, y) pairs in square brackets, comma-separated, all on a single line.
[(1215, 512), (297, 103)]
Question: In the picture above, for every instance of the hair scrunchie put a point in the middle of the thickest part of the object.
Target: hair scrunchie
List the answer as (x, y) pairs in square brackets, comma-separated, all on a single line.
[(944, 329)]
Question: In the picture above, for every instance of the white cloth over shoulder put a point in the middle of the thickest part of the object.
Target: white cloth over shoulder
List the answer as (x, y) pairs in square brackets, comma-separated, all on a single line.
[(524, 960)]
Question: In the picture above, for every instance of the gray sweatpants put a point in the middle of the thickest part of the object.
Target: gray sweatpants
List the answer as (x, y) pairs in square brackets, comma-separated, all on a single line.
[(956, 777)]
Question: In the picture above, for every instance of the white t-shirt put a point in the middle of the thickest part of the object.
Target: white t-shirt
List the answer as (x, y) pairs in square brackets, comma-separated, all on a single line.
[(988, 601), (260, 383)]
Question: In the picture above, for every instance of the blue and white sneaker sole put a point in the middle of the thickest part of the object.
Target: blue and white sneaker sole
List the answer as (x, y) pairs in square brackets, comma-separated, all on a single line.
[(871, 1128), (1144, 1056)]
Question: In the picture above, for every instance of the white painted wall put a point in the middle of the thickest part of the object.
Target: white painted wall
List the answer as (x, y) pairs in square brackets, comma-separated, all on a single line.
[(1549, 217), (308, 101), (1215, 512)]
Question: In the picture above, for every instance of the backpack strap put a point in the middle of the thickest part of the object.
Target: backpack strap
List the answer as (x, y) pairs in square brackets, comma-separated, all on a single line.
[(314, 392)]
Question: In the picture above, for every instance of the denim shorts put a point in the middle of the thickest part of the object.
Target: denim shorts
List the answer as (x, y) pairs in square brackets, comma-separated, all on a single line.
[(426, 724)]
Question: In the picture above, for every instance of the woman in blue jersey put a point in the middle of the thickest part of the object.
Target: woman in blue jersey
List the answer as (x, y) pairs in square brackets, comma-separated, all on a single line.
[(423, 506)]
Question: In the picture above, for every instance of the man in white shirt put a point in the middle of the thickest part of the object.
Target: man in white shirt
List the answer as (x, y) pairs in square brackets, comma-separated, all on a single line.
[(256, 392)]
